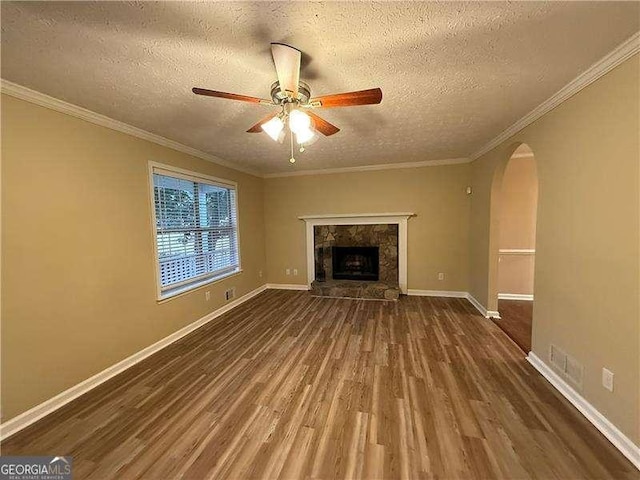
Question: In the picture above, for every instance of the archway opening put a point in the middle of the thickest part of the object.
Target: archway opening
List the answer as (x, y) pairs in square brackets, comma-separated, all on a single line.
[(516, 206)]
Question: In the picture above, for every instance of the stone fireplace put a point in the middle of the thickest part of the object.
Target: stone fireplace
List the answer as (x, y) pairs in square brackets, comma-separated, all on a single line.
[(342, 249), (383, 237), (356, 261)]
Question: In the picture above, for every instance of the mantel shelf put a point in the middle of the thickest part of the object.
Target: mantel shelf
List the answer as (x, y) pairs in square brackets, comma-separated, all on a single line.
[(357, 215)]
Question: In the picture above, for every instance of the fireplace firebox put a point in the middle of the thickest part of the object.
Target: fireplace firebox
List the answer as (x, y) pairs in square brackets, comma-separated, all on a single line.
[(355, 263)]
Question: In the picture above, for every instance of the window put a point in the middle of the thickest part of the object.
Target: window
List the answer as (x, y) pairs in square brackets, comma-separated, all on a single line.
[(196, 229)]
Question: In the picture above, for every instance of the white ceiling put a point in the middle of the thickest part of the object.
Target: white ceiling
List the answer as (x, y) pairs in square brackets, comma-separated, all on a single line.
[(453, 75)]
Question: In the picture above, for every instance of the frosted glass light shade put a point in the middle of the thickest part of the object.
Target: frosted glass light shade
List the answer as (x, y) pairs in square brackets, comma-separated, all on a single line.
[(299, 121), (306, 136), (274, 128)]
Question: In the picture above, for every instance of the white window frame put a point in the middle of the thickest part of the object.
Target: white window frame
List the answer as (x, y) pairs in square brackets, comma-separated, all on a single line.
[(156, 167)]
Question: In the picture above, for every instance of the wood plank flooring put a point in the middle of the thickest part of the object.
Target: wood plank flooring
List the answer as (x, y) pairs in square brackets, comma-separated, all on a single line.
[(516, 317), (290, 386)]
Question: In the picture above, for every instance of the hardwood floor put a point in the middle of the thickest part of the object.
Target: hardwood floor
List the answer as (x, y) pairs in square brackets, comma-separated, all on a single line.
[(516, 317), (292, 386)]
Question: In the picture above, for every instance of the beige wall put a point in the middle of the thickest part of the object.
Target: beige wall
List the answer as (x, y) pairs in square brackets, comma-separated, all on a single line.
[(78, 278), (516, 273), (437, 235), (78, 284), (587, 273), (518, 201)]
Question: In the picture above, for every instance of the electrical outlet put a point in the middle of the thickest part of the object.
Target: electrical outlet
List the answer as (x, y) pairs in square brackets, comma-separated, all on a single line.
[(288, 271), (441, 276), (207, 295), (295, 271), (260, 273), (229, 294), (607, 379)]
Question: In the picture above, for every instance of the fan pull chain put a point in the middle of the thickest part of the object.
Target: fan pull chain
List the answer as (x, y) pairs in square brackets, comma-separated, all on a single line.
[(291, 160)]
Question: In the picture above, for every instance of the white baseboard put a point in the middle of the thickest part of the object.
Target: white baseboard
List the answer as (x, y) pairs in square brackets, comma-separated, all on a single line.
[(14, 425), (608, 429), (287, 286), (413, 292), (455, 294), (515, 296), (436, 293), (485, 313)]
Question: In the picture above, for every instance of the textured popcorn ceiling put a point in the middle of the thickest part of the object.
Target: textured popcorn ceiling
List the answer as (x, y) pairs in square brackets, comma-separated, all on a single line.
[(454, 75)]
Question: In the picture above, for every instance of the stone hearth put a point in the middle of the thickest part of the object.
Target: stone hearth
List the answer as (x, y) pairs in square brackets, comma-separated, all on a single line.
[(355, 289)]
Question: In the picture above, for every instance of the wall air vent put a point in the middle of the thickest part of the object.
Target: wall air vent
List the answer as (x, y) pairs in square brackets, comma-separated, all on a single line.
[(557, 358), (574, 371), (568, 367)]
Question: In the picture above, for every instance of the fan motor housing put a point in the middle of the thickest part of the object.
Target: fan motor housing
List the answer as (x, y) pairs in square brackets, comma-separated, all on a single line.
[(279, 97)]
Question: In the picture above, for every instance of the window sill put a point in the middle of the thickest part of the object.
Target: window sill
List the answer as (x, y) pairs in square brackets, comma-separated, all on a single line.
[(186, 289)]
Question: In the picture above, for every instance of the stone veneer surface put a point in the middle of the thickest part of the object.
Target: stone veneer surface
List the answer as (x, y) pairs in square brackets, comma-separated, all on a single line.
[(383, 236), (355, 289)]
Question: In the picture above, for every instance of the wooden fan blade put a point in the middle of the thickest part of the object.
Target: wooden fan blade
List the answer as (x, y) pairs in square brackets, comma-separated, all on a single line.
[(257, 128), (230, 96), (322, 125), (287, 62), (362, 97)]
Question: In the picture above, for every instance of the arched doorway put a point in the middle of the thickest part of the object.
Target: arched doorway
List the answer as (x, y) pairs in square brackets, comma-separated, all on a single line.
[(515, 206)]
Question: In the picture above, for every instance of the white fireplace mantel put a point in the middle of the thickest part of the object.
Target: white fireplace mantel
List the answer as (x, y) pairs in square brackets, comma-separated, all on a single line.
[(399, 219)]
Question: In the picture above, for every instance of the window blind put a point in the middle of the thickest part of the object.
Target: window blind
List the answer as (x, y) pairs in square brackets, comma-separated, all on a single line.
[(196, 229)]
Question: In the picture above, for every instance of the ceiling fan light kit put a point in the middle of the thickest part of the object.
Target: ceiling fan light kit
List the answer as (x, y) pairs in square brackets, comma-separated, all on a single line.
[(299, 121), (274, 128), (294, 96), (305, 137)]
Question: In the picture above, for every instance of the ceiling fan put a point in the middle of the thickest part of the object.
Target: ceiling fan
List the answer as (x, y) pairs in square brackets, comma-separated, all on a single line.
[(295, 102)]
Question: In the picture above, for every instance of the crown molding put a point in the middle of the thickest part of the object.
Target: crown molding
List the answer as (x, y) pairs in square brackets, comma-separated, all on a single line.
[(370, 168), (47, 101), (32, 96), (622, 52)]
